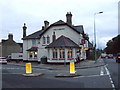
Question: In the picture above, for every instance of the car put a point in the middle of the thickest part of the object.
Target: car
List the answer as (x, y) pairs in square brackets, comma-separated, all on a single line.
[(103, 55), (3, 60), (110, 55), (118, 58), (8, 58)]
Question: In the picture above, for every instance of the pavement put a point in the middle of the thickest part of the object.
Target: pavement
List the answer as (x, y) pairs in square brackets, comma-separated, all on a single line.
[(81, 65)]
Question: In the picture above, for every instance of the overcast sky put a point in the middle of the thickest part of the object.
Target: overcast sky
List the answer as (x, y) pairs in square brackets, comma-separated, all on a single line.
[(14, 13)]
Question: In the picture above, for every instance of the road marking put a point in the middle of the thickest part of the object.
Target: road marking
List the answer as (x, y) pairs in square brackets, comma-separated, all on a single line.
[(11, 68), (108, 73), (11, 73), (102, 71), (91, 76)]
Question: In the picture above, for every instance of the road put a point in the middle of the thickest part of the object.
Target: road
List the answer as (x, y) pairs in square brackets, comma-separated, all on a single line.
[(113, 68), (97, 77)]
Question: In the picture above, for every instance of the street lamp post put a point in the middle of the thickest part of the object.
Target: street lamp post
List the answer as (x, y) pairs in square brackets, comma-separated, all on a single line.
[(95, 33)]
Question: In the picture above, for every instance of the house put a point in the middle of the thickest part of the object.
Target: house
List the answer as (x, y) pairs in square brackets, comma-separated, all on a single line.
[(59, 42), (9, 46)]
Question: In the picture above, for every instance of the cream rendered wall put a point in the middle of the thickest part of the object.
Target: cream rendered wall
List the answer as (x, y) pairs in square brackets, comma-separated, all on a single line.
[(68, 32), (65, 30), (27, 44)]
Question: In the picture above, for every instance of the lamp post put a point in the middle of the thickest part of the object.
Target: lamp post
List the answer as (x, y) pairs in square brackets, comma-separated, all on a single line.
[(95, 33)]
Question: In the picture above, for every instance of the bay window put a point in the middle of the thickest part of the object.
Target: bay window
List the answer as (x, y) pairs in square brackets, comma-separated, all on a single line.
[(62, 53), (54, 53), (69, 53)]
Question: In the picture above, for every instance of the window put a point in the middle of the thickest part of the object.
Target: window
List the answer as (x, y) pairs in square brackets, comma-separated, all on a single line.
[(54, 53), (35, 54), (44, 40), (48, 39), (69, 53), (20, 55), (62, 53), (30, 54), (33, 42)]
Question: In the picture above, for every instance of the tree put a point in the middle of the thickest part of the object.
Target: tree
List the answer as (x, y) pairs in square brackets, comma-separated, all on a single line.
[(113, 46)]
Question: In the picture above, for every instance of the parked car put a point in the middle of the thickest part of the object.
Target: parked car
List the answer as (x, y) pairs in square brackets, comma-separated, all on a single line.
[(118, 58), (8, 58), (103, 55), (3, 60), (110, 55)]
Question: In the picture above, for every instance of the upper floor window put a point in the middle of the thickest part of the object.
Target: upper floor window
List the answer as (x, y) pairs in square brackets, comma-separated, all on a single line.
[(48, 39), (44, 42), (33, 42)]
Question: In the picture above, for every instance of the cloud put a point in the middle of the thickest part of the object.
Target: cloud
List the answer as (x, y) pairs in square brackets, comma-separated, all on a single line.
[(34, 12)]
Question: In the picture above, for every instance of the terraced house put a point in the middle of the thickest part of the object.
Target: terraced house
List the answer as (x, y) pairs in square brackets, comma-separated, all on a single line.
[(59, 42)]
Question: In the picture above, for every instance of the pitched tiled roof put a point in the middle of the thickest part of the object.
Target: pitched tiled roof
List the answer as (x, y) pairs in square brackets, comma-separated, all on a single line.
[(79, 29), (21, 44), (59, 22), (63, 41), (33, 49), (35, 35)]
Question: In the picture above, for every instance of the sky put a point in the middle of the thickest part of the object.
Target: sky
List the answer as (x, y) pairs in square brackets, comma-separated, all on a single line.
[(14, 13)]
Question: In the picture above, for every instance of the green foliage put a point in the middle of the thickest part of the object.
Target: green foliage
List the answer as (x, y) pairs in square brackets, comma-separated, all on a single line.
[(113, 46)]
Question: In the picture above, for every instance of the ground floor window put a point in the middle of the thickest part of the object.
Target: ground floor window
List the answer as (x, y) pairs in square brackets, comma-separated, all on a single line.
[(33, 54), (62, 53), (30, 54), (69, 53), (54, 51)]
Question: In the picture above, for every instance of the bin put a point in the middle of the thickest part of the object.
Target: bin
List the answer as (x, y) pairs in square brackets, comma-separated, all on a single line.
[(44, 60)]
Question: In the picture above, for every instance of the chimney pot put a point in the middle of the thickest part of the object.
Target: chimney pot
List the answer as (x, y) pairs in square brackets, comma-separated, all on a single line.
[(24, 30), (46, 24), (69, 18), (10, 36)]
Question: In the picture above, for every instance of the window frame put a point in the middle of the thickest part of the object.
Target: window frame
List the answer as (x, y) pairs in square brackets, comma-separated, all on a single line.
[(70, 53), (62, 53), (44, 40), (55, 53)]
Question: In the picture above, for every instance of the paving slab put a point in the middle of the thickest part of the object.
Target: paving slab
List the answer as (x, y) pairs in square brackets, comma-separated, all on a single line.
[(33, 74), (67, 75)]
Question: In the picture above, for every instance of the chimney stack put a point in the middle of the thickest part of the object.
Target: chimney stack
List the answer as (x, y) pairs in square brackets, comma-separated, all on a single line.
[(69, 18), (43, 27), (10, 36), (53, 37), (46, 24), (24, 30)]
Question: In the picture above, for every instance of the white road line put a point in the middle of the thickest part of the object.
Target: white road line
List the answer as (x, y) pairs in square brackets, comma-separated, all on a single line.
[(102, 72), (90, 76), (11, 73), (11, 68), (108, 73)]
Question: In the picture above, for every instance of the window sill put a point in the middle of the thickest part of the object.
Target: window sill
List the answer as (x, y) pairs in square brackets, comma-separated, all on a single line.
[(45, 44)]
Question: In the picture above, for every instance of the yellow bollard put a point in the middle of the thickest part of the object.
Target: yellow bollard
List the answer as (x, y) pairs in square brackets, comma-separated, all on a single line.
[(72, 68), (28, 68)]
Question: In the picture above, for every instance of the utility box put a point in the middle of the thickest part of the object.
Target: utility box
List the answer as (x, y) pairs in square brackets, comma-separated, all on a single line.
[(44, 60), (28, 68)]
